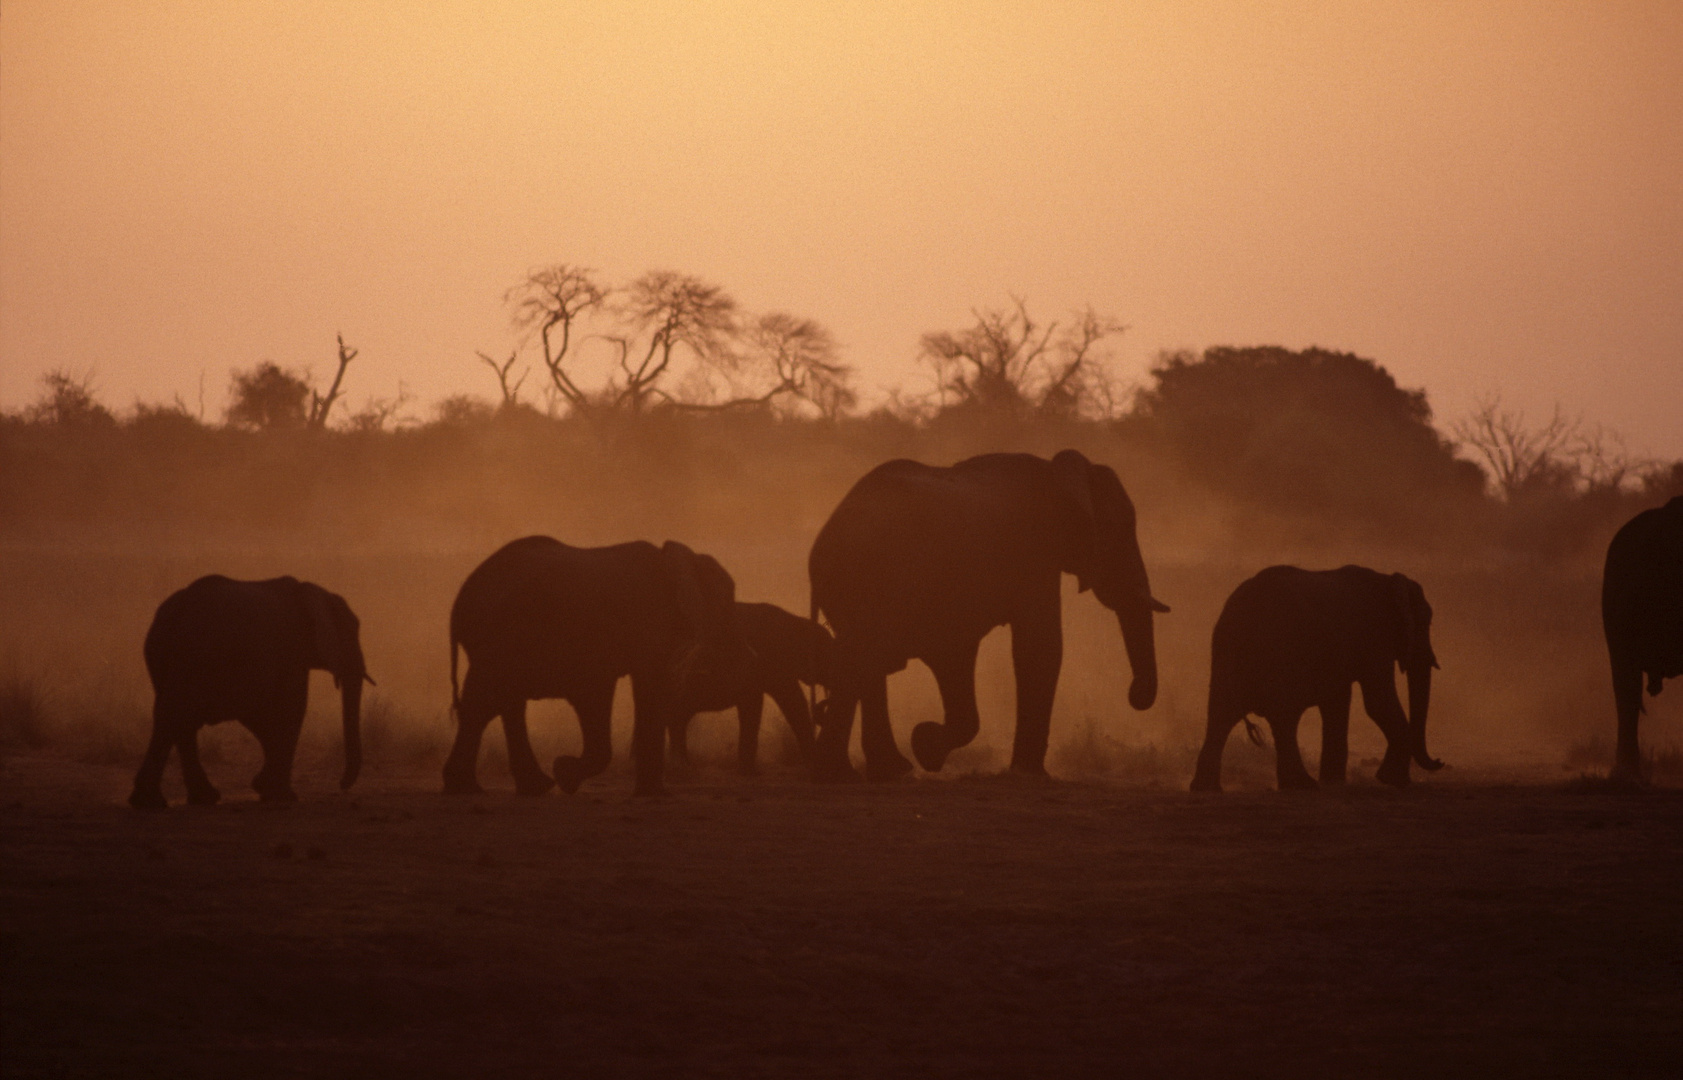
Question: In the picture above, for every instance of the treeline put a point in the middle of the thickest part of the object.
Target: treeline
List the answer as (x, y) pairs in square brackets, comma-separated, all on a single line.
[(1314, 441)]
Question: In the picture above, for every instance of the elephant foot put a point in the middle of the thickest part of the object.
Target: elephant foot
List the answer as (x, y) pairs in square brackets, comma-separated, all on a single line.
[(569, 774), (1206, 783), (536, 784), (284, 795), (894, 768), (1304, 782), (930, 745), (1330, 781), (748, 768), (649, 791), (205, 797), (1394, 773), (1031, 770), (462, 785), (1626, 774), (148, 800)]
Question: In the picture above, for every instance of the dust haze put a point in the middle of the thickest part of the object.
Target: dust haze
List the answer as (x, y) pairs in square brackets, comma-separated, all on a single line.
[(102, 526)]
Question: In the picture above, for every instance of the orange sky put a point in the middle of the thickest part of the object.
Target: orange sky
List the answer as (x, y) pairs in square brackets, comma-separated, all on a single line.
[(1482, 196)]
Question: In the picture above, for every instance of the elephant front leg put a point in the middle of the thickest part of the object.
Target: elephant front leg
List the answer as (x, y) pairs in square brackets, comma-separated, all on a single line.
[(1335, 737), (1037, 654), (955, 675), (1289, 772), (1379, 698), (653, 700), (529, 777)]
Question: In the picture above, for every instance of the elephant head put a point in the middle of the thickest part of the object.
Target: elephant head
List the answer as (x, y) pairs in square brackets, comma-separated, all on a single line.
[(1416, 659), (705, 595), (1104, 555), (336, 646)]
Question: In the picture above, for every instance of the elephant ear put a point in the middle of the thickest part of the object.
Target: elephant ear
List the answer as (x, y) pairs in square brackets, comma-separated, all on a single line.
[(1414, 618), (1073, 475), (682, 572), (332, 629)]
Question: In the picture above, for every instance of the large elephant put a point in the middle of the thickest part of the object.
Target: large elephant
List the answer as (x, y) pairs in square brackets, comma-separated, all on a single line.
[(922, 562), (788, 651), (541, 619), (1288, 639), (1642, 615), (243, 650)]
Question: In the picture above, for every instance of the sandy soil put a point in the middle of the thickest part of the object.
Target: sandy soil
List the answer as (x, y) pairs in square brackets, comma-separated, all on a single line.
[(1474, 926)]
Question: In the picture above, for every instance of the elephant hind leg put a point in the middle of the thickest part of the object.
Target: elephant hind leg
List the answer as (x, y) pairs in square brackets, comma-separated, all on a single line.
[(1289, 772), (529, 777), (596, 712), (148, 791), (749, 712), (200, 791), (473, 715), (830, 762), (279, 738), (1223, 717), (1627, 700), (956, 677), (883, 760)]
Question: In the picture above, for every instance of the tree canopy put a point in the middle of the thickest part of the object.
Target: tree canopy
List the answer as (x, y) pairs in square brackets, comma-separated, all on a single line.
[(1305, 429)]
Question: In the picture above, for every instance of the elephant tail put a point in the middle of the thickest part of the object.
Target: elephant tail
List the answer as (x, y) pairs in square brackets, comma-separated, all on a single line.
[(1252, 731), (455, 688)]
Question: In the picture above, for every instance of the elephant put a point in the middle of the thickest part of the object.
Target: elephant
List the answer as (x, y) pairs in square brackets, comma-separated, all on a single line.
[(920, 561), (542, 619), (1289, 638), (1642, 616), (788, 651), (220, 650)]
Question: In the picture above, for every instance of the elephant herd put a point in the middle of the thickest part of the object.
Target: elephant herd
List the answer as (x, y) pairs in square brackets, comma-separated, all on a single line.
[(916, 562)]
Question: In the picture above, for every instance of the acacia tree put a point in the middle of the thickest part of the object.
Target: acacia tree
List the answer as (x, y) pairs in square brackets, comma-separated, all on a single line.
[(1007, 364), (552, 299), (1560, 455), (667, 310)]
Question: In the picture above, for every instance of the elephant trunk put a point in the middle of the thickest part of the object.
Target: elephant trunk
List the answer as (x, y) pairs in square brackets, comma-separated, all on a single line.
[(350, 690), (1419, 700), (1141, 643)]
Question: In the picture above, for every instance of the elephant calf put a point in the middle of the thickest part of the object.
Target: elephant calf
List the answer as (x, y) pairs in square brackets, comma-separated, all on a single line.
[(788, 651), (243, 650), (1288, 639)]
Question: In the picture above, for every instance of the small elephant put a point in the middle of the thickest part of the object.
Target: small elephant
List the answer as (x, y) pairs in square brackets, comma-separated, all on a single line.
[(788, 651), (1642, 616), (543, 619), (1288, 639), (243, 650)]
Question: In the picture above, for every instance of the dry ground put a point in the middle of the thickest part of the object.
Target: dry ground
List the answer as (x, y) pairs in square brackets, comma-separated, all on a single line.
[(985, 926)]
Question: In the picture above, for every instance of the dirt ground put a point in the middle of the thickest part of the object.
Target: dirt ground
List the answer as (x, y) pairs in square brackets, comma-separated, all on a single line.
[(1474, 925)]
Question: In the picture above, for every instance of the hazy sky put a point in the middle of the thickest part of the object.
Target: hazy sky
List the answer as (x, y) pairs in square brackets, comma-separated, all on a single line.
[(1483, 197)]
